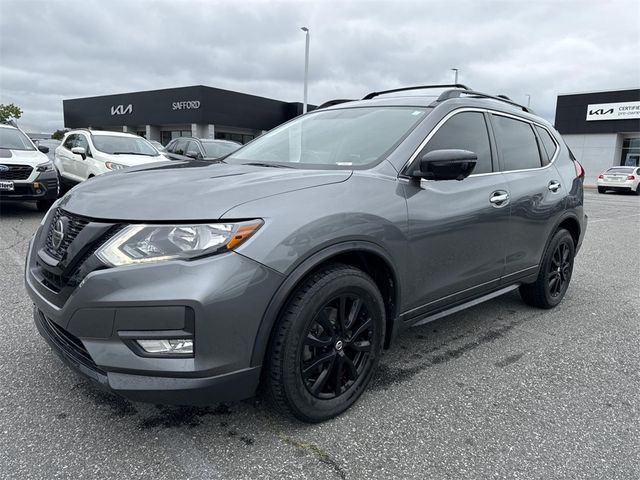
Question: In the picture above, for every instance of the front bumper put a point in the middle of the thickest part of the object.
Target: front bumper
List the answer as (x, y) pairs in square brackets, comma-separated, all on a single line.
[(222, 297), (44, 187)]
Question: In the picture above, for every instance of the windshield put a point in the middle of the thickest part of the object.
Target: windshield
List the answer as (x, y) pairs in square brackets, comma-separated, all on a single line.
[(621, 170), (351, 137), (120, 145), (14, 139), (218, 149)]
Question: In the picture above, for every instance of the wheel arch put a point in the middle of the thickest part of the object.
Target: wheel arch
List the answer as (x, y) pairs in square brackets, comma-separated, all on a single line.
[(366, 256)]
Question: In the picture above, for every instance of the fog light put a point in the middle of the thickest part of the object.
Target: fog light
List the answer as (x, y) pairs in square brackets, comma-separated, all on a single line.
[(178, 345), (37, 185)]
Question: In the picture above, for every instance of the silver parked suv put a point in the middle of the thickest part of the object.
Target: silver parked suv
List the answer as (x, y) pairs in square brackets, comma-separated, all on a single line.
[(296, 259)]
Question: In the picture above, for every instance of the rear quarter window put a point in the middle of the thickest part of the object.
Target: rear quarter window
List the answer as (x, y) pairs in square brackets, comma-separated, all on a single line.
[(548, 145)]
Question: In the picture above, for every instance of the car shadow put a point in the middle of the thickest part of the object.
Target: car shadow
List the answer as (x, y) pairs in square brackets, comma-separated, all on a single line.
[(16, 209)]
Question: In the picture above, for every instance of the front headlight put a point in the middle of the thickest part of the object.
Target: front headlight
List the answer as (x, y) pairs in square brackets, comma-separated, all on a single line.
[(114, 166), (45, 167), (137, 244)]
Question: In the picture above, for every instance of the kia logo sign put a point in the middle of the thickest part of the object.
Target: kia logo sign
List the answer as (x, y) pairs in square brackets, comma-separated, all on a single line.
[(601, 111), (186, 105), (121, 109)]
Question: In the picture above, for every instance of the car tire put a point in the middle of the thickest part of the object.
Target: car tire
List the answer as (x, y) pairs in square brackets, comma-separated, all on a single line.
[(318, 366), (638, 189), (44, 205), (555, 273), (602, 190)]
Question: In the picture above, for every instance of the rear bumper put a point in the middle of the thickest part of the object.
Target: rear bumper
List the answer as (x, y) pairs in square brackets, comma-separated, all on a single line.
[(231, 386), (620, 186)]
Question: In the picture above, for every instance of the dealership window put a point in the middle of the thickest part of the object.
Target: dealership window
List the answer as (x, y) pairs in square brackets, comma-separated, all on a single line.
[(234, 137), (630, 152), (466, 131), (516, 143)]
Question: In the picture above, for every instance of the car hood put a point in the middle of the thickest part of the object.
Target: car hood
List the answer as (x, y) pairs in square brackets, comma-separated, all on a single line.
[(133, 160), (186, 191), (22, 157)]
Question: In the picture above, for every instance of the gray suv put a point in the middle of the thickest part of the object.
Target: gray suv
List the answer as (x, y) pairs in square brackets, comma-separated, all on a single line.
[(294, 261)]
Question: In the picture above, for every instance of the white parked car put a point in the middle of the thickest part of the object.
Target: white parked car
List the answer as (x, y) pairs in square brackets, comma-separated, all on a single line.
[(620, 179), (86, 153)]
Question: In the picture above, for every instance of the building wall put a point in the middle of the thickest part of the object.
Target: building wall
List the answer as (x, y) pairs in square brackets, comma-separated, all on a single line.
[(595, 152)]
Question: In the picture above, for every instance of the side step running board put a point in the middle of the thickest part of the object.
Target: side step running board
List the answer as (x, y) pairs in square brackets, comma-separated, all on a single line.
[(444, 313)]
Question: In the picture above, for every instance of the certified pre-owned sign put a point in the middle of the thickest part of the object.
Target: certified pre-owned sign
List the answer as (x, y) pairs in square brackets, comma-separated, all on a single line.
[(186, 105), (613, 111)]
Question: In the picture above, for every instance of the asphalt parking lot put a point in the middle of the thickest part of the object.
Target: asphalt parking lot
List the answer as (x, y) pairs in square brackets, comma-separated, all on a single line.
[(499, 391)]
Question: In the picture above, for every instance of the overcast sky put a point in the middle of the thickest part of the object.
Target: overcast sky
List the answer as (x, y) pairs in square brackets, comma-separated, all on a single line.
[(52, 50)]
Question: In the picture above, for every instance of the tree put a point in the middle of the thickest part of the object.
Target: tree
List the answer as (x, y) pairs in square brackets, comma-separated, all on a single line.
[(7, 112), (58, 134)]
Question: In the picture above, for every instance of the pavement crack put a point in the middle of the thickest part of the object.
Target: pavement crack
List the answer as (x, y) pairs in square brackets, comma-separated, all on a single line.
[(316, 451)]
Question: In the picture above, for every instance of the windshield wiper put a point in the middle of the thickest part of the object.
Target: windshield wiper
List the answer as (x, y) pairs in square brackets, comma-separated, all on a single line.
[(264, 164)]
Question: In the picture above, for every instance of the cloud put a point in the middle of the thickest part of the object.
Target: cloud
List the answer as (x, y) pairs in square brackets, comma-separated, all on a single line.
[(50, 51)]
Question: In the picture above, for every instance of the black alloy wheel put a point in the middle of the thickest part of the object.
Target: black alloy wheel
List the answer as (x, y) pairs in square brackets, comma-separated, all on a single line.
[(559, 269), (336, 346), (326, 345), (554, 275)]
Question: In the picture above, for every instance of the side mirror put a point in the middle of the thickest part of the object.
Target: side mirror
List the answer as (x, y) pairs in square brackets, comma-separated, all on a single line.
[(194, 155), (43, 149), (79, 151), (446, 165)]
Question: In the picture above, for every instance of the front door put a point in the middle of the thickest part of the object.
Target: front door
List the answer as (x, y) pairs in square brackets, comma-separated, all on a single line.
[(457, 229)]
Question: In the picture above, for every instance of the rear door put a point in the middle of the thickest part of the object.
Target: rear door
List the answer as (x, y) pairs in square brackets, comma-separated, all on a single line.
[(458, 230), (536, 194)]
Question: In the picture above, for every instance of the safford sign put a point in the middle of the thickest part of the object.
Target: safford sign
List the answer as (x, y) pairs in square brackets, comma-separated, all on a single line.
[(613, 111)]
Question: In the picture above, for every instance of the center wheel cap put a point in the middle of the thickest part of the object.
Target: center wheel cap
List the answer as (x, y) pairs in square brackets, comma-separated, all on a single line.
[(339, 345)]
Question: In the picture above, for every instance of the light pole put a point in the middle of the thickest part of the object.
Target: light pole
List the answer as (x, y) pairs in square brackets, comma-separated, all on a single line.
[(528, 100), (306, 68), (455, 79)]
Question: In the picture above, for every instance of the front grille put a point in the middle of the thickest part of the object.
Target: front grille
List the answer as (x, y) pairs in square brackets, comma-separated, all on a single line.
[(74, 226), (68, 343), (16, 172)]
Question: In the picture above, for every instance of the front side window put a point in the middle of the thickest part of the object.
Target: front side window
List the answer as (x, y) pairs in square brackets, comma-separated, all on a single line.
[(70, 142), (115, 145), (180, 147), (14, 139), (342, 138), (464, 131), (516, 143), (82, 142)]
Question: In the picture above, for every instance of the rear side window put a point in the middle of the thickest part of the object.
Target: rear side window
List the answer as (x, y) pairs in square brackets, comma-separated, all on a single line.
[(548, 144), (516, 143), (466, 131)]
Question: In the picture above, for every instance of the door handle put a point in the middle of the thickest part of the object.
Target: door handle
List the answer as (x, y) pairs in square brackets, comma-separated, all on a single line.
[(498, 198), (554, 186)]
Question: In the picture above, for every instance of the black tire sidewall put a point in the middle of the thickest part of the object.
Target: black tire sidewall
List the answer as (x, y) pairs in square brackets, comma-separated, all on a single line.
[(560, 237), (301, 401)]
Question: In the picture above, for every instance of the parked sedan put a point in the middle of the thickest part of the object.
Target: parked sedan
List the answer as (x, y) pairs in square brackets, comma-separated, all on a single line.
[(199, 148), (621, 179)]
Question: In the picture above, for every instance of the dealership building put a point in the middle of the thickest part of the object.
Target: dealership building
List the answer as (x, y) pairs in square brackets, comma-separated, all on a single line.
[(197, 111), (601, 128)]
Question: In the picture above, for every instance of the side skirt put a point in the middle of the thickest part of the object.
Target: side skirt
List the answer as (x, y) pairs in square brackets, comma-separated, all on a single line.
[(431, 317)]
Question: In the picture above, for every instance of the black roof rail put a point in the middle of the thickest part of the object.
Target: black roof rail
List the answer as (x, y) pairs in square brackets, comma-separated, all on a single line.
[(419, 87), (331, 103), (449, 94)]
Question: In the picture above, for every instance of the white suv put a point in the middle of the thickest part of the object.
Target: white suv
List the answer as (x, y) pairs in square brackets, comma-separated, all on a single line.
[(86, 153), (26, 173)]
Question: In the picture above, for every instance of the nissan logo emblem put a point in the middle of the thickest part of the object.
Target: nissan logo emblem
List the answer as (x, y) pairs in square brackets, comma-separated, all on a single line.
[(58, 234)]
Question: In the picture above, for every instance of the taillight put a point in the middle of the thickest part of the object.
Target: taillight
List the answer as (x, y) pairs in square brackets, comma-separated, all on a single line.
[(630, 177), (600, 176), (579, 169)]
